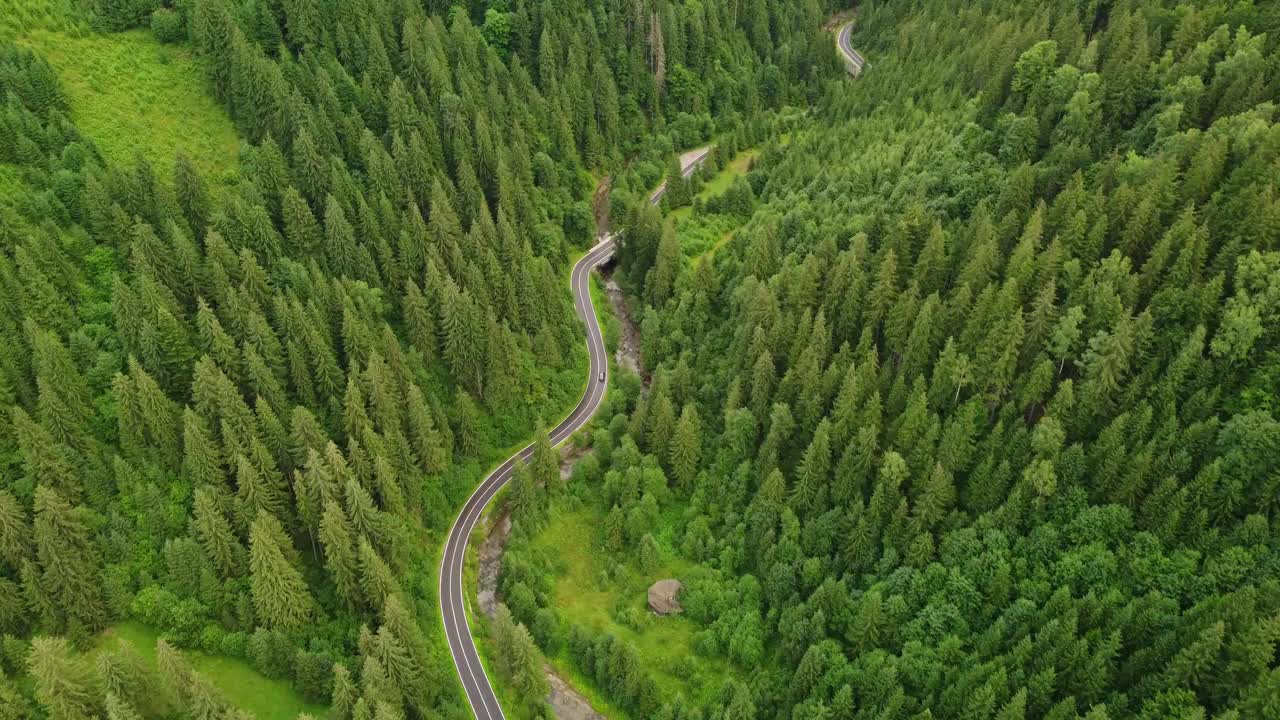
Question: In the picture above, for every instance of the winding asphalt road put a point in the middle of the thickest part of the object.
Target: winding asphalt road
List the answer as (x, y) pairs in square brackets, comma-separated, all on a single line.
[(852, 58), (453, 611)]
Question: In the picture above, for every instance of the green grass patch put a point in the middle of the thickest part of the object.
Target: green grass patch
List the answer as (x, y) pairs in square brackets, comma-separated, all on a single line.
[(719, 182), (243, 686), (665, 644), (131, 94), (700, 236), (723, 179), (20, 17)]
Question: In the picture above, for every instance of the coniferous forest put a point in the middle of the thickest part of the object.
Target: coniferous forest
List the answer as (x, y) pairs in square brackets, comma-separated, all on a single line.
[(959, 385)]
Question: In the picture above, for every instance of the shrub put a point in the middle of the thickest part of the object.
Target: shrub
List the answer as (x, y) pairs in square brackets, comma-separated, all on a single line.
[(167, 26), (706, 644), (181, 620), (547, 630), (313, 675), (631, 616)]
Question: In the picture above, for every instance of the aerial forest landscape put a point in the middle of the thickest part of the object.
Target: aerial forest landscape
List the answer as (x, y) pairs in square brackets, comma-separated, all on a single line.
[(639, 359)]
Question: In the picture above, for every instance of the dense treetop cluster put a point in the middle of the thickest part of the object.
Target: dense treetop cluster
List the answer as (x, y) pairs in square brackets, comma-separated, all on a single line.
[(977, 416), (237, 412)]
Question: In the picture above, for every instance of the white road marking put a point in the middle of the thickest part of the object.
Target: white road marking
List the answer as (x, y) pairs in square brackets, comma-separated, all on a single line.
[(479, 691)]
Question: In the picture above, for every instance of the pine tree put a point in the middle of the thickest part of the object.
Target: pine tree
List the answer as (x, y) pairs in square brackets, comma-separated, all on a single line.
[(15, 532), (345, 693), (64, 683), (44, 457), (211, 526), (418, 321), (686, 446), (666, 267), (811, 476), (69, 567), (280, 594), (520, 659), (120, 709), (339, 552), (376, 578), (303, 22), (523, 496), (126, 676), (257, 493), (432, 453)]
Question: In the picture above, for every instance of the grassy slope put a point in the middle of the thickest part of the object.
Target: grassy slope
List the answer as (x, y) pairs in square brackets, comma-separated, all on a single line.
[(665, 644), (719, 182), (128, 92), (131, 94), (249, 690)]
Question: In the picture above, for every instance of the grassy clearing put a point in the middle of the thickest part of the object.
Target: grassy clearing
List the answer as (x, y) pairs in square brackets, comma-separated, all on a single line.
[(723, 179), (131, 94), (665, 644), (719, 182), (246, 688), (20, 17)]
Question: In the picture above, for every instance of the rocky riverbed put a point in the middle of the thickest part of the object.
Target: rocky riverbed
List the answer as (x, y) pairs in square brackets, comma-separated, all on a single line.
[(565, 701)]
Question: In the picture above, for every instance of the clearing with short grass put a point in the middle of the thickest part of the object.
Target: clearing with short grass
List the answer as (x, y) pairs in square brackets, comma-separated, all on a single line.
[(583, 597), (130, 94), (719, 182), (246, 688)]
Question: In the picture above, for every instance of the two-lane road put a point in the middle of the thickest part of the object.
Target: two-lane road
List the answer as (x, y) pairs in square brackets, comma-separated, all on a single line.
[(453, 610), (852, 58)]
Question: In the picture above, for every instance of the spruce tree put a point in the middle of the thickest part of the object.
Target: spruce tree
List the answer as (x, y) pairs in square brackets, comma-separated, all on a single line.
[(64, 683), (69, 572), (280, 594)]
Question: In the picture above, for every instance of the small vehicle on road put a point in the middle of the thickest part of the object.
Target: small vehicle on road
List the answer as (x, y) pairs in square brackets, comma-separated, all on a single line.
[(601, 376)]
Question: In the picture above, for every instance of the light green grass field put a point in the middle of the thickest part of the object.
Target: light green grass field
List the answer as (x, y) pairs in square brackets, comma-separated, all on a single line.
[(246, 688), (131, 94), (665, 644), (20, 17), (720, 181)]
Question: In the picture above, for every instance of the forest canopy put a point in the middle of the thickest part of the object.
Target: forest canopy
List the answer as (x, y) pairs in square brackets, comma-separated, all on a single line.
[(970, 409), (976, 415), (241, 412)]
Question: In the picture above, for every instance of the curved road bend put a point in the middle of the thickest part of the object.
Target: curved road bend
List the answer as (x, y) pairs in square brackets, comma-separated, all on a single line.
[(453, 611), (852, 58)]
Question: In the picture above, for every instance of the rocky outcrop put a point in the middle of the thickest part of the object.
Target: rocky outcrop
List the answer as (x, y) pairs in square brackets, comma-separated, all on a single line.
[(566, 703), (628, 353), (490, 563), (662, 597)]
